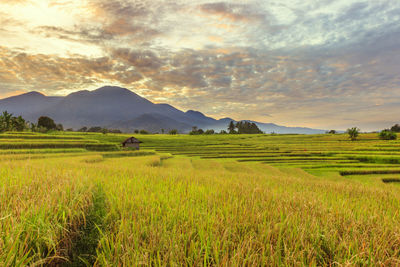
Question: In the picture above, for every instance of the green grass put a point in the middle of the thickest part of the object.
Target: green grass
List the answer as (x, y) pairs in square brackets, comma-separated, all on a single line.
[(78, 199)]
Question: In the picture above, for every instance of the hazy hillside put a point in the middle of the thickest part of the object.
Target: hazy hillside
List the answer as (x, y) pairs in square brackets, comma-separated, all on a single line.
[(120, 108)]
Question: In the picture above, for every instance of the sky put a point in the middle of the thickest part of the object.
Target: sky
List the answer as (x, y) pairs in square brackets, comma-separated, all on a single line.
[(328, 64)]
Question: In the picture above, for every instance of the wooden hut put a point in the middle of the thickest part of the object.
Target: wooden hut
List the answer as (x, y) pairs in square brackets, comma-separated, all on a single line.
[(131, 142)]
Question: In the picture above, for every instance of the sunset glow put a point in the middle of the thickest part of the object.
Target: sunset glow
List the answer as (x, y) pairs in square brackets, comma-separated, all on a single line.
[(317, 64)]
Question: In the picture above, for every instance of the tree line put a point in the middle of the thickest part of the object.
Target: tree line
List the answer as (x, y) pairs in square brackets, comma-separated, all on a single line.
[(9, 122), (386, 134), (390, 134), (98, 129), (241, 127)]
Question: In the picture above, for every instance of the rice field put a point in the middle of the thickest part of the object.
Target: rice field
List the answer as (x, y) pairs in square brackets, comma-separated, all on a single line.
[(78, 199)]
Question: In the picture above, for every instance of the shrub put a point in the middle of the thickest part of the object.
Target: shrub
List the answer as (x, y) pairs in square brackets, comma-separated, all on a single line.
[(395, 128), (95, 129), (42, 129), (387, 135), (47, 123), (196, 131), (60, 127), (173, 131), (116, 131), (353, 133)]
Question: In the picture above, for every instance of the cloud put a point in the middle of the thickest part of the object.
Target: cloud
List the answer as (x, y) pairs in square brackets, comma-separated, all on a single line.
[(304, 86), (16, 2), (90, 35), (11, 93), (320, 63), (133, 19), (233, 12), (143, 60), (6, 22), (118, 8), (59, 73)]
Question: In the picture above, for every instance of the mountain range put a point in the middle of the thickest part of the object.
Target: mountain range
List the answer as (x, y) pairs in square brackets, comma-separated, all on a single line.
[(120, 108)]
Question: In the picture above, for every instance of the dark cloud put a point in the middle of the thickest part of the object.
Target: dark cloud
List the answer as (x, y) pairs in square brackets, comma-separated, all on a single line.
[(144, 61), (122, 18), (55, 73), (355, 12), (319, 65), (119, 8), (251, 81), (100, 35), (115, 20), (78, 34), (234, 12)]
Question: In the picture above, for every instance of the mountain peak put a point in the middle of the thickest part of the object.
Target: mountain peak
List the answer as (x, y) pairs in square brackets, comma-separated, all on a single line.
[(195, 113), (105, 91), (34, 93), (79, 93), (121, 108), (112, 89), (227, 119)]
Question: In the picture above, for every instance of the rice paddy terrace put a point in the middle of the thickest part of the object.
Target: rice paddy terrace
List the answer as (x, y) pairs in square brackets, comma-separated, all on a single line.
[(73, 199), (367, 159), (316, 154)]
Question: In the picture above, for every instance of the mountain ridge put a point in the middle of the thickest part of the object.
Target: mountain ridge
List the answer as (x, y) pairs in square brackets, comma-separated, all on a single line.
[(120, 108)]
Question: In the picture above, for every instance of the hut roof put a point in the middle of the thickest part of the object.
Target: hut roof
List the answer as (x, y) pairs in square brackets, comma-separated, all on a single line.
[(131, 140)]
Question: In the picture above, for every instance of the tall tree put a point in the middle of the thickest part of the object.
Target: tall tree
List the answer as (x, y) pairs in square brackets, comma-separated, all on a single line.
[(231, 128), (18, 124), (47, 123), (246, 127), (10, 123), (6, 117)]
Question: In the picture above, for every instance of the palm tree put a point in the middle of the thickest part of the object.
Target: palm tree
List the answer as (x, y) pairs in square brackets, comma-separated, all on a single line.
[(18, 124), (231, 128), (6, 117)]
